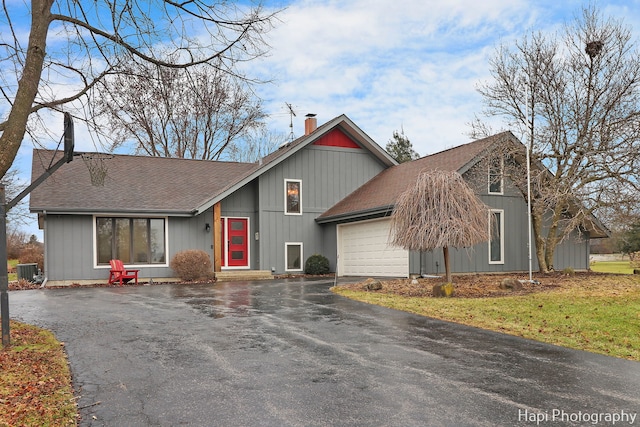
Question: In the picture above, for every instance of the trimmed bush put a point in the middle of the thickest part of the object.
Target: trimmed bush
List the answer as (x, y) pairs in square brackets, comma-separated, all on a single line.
[(191, 264), (316, 264)]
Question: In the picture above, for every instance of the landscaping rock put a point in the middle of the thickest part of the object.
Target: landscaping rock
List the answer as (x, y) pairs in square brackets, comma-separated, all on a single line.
[(372, 285), (443, 290), (511, 284)]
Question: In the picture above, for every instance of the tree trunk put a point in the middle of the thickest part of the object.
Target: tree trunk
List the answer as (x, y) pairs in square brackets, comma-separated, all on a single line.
[(545, 244), (447, 268), (552, 238), (16, 123), (550, 247), (538, 223)]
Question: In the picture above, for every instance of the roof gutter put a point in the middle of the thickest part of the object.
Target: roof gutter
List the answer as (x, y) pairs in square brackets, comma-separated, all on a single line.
[(137, 212), (377, 212)]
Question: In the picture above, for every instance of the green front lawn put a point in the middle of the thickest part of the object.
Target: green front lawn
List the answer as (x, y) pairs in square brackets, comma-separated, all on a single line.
[(615, 267), (11, 264)]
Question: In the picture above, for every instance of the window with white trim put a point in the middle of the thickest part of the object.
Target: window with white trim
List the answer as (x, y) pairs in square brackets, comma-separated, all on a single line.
[(496, 176), (293, 256), (293, 197), (131, 240), (496, 231)]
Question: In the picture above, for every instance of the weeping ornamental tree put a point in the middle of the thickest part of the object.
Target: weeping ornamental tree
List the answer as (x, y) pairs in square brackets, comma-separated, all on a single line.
[(439, 211)]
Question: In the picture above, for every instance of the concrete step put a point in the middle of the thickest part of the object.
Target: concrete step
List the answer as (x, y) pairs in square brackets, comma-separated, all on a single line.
[(234, 275)]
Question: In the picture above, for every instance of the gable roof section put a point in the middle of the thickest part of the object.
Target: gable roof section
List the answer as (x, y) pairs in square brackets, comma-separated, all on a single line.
[(172, 186), (335, 138), (134, 184), (378, 195), (342, 122)]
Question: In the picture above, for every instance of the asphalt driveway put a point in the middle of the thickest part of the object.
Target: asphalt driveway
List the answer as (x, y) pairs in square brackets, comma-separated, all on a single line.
[(290, 353)]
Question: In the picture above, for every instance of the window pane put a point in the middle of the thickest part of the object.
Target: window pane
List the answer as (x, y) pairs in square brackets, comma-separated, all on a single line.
[(140, 241), (293, 197), (237, 254), (496, 239), (123, 240), (132, 240), (237, 225), (495, 176), (237, 240), (157, 240), (104, 231), (294, 253)]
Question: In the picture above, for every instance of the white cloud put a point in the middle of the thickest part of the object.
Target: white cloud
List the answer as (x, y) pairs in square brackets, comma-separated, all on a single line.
[(386, 65)]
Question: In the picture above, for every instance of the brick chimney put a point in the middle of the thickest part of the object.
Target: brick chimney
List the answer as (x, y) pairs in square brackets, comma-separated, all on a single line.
[(310, 124)]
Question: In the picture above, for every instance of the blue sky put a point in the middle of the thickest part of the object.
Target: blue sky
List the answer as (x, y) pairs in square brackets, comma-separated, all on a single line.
[(391, 65)]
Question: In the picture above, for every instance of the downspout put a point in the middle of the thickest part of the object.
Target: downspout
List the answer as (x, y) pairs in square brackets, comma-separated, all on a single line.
[(44, 243)]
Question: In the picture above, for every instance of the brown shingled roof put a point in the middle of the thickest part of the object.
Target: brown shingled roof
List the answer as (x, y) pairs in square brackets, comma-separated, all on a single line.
[(133, 184), (164, 185), (381, 192)]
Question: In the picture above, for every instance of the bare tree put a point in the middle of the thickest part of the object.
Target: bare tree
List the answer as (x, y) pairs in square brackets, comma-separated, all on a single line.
[(577, 101), (103, 38), (439, 211), (172, 112), (255, 146), (19, 215)]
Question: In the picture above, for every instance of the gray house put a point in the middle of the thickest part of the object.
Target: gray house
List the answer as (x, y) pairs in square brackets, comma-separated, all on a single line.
[(365, 213), (330, 192)]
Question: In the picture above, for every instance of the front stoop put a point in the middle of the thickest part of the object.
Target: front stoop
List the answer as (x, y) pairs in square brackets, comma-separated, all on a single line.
[(233, 275)]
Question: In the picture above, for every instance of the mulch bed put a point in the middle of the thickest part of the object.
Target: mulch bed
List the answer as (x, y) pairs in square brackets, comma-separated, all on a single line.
[(474, 285), (23, 285)]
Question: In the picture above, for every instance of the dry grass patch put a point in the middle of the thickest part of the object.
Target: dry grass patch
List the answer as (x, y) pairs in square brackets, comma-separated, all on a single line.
[(35, 385), (588, 311)]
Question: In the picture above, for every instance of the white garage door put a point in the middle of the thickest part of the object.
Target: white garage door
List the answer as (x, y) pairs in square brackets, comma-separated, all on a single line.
[(363, 251)]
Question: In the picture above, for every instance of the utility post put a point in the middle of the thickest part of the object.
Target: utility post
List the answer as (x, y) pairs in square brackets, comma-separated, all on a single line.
[(4, 274), (69, 142)]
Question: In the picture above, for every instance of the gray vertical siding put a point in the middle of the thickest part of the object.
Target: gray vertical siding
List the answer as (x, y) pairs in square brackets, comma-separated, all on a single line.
[(572, 252), (328, 174), (188, 233), (69, 246)]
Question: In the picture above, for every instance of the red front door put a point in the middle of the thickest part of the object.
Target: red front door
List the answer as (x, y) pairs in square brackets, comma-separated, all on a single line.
[(235, 233)]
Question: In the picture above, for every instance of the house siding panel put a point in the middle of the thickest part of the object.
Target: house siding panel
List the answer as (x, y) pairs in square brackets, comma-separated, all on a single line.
[(328, 174), (67, 252), (573, 252), (69, 246)]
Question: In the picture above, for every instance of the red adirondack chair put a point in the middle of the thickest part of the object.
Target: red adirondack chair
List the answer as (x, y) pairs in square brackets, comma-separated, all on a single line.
[(119, 274)]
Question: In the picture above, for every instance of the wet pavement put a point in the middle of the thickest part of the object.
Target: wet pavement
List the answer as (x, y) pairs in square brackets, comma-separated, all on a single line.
[(291, 353)]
